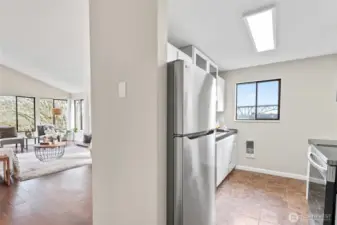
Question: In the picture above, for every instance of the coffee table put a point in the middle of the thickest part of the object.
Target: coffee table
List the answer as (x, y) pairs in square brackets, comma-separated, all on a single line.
[(49, 152)]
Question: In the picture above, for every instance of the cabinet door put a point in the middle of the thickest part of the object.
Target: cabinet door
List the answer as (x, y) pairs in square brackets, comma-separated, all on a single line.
[(223, 159), (172, 53), (184, 56), (233, 153), (219, 165), (220, 94)]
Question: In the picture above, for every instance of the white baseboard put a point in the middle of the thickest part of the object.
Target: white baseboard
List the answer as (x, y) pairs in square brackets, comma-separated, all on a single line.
[(272, 172)]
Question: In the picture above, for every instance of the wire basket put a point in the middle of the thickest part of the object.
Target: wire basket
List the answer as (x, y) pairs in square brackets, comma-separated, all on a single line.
[(48, 153)]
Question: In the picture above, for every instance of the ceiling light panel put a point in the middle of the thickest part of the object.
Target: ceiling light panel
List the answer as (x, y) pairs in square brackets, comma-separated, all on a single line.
[(261, 26)]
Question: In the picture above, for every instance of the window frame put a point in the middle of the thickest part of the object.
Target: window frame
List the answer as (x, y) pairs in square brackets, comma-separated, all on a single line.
[(53, 100), (17, 111), (81, 114), (56, 99), (256, 100), (53, 105)]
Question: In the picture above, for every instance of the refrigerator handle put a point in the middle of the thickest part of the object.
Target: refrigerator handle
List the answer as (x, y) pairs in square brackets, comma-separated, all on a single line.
[(200, 134)]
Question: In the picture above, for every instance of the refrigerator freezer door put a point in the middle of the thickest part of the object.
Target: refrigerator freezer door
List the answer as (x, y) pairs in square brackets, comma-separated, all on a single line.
[(194, 94), (194, 180)]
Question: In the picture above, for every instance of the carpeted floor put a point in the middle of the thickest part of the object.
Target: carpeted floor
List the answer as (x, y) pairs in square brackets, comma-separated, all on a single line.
[(31, 167)]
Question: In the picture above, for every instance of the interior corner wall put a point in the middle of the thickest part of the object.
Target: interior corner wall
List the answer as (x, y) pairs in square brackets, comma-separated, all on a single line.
[(308, 110)]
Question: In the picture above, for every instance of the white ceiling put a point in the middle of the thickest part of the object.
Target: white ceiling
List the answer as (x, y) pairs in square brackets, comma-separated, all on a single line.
[(48, 40), (305, 28)]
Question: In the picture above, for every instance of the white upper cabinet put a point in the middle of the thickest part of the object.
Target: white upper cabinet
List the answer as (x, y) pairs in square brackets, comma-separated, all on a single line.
[(193, 55), (184, 56), (172, 53), (221, 94), (201, 60)]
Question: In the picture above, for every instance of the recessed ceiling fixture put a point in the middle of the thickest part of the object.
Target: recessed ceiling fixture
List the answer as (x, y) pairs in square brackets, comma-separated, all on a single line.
[(261, 25)]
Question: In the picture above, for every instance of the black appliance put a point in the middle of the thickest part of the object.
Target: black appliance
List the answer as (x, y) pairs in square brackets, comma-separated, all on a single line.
[(321, 190)]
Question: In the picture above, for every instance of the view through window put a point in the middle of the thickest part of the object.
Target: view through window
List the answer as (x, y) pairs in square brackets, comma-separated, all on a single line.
[(25, 113), (8, 111), (46, 115), (18, 112), (258, 100), (61, 120)]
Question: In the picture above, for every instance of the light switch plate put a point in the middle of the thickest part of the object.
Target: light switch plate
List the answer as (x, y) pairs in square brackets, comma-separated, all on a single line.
[(122, 89)]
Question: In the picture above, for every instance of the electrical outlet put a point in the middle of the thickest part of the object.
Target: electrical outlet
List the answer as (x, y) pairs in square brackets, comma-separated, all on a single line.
[(122, 89)]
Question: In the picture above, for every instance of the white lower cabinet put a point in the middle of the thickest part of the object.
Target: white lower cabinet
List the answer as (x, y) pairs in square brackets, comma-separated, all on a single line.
[(226, 157), (233, 154)]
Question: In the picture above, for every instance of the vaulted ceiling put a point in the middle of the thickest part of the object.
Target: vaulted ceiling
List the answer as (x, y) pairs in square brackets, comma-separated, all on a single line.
[(49, 40)]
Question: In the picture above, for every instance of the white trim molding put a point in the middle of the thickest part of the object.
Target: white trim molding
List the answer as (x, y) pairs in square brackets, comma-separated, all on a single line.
[(272, 172)]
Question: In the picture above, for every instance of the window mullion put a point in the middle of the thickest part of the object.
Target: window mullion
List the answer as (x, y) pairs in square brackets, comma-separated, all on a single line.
[(81, 113), (16, 113), (256, 94), (53, 113)]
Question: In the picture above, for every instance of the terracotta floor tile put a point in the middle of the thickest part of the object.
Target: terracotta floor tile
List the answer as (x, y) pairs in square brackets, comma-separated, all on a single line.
[(243, 199), (267, 223), (263, 198), (237, 219)]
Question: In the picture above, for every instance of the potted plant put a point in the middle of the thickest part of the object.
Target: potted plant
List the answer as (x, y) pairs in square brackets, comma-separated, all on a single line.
[(75, 130), (29, 133)]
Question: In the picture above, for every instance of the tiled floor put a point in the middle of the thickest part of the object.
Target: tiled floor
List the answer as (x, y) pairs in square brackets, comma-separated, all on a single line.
[(65, 198), (62, 198), (247, 198)]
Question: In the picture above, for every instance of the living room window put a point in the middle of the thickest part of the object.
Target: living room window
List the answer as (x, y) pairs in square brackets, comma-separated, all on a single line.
[(79, 109), (60, 121), (258, 100), (46, 114), (18, 112), (25, 113), (8, 111)]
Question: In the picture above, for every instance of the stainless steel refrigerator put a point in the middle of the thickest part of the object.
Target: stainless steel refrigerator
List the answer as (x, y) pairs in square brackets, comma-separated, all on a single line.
[(191, 124)]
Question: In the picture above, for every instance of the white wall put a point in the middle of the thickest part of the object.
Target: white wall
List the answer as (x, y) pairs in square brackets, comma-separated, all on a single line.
[(133, 166), (308, 110), (48, 40), (15, 83)]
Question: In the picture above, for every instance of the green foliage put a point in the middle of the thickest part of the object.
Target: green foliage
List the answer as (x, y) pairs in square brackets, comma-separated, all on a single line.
[(26, 112)]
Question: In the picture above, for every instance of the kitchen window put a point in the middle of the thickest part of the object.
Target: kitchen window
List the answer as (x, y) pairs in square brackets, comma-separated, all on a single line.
[(259, 100)]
